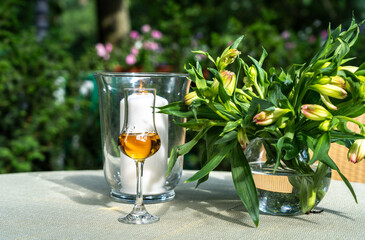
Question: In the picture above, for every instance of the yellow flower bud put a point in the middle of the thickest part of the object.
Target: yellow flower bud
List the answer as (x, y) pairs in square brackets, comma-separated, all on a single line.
[(229, 81), (325, 125), (242, 138), (357, 151), (326, 64), (323, 80), (329, 90), (338, 81), (190, 97), (265, 118), (228, 58), (214, 88), (315, 112)]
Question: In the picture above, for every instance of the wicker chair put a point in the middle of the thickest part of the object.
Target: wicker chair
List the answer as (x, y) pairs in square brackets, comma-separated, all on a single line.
[(353, 172)]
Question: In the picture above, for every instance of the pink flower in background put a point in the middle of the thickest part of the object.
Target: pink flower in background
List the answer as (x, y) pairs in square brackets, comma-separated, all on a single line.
[(156, 34), (312, 39), (108, 47), (130, 59), (324, 34), (146, 28), (104, 51), (285, 35), (134, 34), (148, 45), (290, 45), (134, 51)]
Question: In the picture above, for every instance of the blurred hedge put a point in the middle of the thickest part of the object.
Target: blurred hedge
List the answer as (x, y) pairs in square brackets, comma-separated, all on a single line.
[(48, 98)]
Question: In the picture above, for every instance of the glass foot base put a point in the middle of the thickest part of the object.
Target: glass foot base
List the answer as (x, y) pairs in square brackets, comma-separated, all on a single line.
[(139, 219), (149, 199)]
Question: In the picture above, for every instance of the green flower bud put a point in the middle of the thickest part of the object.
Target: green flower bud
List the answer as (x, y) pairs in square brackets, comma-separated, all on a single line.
[(329, 90), (229, 81), (190, 97), (316, 112), (325, 125), (266, 118), (362, 86), (357, 151), (338, 81), (326, 64), (242, 138), (228, 58), (326, 100), (214, 88), (323, 80), (252, 74)]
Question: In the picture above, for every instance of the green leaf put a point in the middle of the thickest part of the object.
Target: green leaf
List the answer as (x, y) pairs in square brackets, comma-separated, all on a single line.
[(231, 125), (322, 147), (198, 124), (261, 104), (307, 195), (212, 163), (237, 42), (244, 183), (338, 136), (205, 54), (263, 56), (227, 137), (203, 161), (184, 148)]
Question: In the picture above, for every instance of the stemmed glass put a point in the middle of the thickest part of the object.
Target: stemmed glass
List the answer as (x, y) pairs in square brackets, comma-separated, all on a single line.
[(139, 140)]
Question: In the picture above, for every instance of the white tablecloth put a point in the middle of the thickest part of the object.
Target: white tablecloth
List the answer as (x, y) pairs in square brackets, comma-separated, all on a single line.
[(76, 205)]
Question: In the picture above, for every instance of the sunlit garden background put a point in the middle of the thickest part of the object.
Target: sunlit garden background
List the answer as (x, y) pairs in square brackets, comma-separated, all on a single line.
[(49, 117)]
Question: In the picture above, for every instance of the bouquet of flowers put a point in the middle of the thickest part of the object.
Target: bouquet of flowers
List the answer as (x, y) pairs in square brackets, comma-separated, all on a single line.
[(309, 105)]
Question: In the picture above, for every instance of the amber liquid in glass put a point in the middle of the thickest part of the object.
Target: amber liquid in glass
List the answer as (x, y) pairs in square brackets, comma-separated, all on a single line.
[(139, 145)]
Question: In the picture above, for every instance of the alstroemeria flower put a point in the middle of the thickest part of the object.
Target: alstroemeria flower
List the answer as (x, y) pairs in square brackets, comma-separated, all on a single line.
[(357, 151), (316, 112), (265, 118), (190, 97), (329, 90), (228, 58), (229, 81)]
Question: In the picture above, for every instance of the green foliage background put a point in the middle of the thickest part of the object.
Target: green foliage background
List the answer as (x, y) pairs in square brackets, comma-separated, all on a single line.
[(48, 123)]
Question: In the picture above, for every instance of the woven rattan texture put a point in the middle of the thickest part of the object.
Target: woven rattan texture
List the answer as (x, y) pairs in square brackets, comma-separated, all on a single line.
[(353, 172)]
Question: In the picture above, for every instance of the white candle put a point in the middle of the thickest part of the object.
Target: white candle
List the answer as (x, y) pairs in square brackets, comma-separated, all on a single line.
[(155, 167)]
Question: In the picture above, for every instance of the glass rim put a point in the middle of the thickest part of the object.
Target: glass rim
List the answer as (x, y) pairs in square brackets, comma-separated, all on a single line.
[(140, 89), (141, 74), (267, 170)]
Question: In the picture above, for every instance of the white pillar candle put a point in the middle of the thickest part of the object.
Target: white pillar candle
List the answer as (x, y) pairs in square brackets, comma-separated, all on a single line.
[(155, 167)]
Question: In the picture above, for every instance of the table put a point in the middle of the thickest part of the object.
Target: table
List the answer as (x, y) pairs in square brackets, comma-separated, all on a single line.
[(76, 205)]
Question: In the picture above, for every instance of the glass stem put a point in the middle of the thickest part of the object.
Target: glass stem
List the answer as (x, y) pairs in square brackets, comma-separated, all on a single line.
[(138, 205)]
